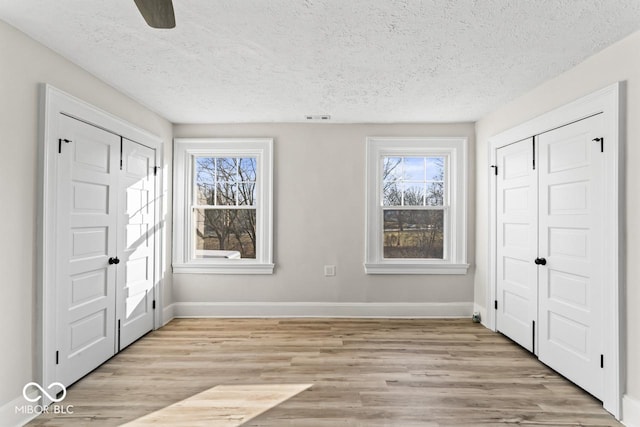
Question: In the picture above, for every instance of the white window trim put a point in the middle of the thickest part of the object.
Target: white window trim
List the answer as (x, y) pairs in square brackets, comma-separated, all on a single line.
[(184, 150), (455, 259)]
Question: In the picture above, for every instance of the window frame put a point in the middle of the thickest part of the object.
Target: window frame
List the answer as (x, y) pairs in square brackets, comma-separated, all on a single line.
[(185, 151), (454, 149)]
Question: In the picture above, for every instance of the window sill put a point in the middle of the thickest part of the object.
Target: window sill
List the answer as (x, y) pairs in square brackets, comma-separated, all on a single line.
[(406, 268), (223, 268)]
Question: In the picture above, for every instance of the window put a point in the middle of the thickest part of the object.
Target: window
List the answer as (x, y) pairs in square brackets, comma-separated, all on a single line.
[(223, 206), (416, 206)]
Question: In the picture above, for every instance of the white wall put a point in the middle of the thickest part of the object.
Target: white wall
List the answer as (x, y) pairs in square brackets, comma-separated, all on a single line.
[(319, 199), (616, 63), (24, 64)]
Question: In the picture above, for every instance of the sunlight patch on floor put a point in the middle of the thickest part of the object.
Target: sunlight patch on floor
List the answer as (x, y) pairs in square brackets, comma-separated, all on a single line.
[(222, 406)]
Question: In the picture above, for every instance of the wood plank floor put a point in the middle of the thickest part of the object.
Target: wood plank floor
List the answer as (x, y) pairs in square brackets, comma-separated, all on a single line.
[(365, 372)]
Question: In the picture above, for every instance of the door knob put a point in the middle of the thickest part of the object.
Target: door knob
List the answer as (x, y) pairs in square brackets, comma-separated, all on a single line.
[(540, 261), (114, 260)]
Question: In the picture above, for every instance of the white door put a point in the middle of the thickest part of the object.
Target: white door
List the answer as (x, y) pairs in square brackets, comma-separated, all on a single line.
[(87, 181), (136, 243), (571, 237), (517, 241)]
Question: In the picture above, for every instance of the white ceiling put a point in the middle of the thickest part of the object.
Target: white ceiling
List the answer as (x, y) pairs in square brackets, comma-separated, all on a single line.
[(358, 60)]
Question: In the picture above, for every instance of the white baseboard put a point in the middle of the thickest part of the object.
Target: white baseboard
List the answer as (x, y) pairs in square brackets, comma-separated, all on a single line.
[(321, 309), (168, 313), (630, 411), (9, 417)]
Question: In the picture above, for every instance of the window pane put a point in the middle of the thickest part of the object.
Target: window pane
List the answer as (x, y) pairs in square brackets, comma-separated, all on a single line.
[(247, 170), (391, 169), (391, 181), (413, 195), (413, 234), (204, 180), (414, 169), (247, 193), (392, 195), (435, 168), (435, 194), (226, 194), (219, 230), (227, 169)]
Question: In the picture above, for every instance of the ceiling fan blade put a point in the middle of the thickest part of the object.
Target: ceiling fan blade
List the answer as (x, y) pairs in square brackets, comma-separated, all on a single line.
[(157, 13)]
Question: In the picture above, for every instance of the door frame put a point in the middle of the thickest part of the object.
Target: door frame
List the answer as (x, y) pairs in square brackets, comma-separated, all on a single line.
[(53, 104), (609, 101)]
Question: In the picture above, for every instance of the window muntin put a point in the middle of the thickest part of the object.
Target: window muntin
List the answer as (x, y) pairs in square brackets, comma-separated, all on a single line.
[(224, 181), (413, 181)]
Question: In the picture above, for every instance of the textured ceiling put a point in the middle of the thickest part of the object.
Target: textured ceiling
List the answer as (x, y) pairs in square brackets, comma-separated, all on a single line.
[(358, 60)]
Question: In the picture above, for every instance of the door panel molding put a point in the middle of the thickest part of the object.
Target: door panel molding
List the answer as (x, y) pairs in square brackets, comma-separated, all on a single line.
[(609, 102), (54, 104)]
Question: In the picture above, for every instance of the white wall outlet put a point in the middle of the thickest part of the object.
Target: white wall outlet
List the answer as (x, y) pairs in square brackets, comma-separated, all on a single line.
[(329, 270)]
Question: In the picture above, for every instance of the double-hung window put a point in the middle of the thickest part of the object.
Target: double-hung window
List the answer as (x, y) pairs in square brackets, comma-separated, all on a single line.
[(416, 206), (223, 206)]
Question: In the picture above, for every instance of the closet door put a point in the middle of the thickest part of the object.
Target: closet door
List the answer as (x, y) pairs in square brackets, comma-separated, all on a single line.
[(571, 231), (136, 229), (87, 182), (517, 241)]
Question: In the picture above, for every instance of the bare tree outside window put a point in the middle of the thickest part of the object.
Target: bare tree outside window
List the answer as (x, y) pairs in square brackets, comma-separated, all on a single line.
[(413, 199), (225, 204)]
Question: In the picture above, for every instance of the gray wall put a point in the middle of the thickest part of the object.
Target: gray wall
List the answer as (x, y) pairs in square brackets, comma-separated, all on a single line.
[(24, 64), (319, 211), (616, 63)]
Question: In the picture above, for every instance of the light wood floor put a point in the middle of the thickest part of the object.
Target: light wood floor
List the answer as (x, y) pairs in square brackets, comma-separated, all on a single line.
[(365, 372)]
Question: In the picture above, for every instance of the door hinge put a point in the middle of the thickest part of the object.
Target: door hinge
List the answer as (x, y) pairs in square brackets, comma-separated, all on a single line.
[(60, 141), (155, 171), (602, 360), (118, 334), (495, 304), (534, 153), (495, 169), (57, 357), (153, 305), (601, 141), (121, 154), (533, 336)]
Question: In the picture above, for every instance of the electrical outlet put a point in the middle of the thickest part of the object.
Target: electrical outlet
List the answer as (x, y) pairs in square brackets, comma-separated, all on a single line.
[(329, 270)]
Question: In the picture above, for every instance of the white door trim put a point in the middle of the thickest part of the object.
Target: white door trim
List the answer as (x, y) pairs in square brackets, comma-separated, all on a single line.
[(610, 102), (53, 104)]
